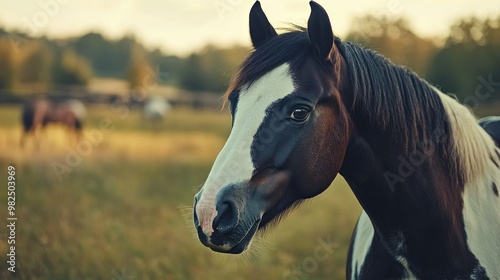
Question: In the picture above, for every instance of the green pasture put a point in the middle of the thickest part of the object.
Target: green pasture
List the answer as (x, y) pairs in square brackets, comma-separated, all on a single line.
[(121, 208)]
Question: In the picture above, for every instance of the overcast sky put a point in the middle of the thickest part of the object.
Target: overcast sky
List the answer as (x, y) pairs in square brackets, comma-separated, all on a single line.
[(179, 27)]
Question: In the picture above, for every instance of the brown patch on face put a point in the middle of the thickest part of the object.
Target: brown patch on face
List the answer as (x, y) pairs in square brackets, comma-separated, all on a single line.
[(328, 143), (495, 189), (271, 184)]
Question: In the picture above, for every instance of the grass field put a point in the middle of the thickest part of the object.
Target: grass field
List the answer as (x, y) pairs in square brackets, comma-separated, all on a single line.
[(121, 206)]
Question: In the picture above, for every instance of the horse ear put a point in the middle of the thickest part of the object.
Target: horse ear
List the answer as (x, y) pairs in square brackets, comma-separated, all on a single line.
[(261, 29), (320, 32)]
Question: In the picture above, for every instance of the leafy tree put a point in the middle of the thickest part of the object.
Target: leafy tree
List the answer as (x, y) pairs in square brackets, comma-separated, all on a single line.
[(469, 63), (107, 58), (211, 69), (193, 76), (71, 69), (141, 76), (168, 67), (7, 61), (36, 62), (394, 39)]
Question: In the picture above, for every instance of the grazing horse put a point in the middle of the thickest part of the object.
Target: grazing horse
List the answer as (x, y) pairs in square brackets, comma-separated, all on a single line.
[(39, 112), (305, 107), (156, 108)]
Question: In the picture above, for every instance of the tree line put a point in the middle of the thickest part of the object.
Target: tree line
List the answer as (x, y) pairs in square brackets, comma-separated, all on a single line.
[(466, 59), (465, 63)]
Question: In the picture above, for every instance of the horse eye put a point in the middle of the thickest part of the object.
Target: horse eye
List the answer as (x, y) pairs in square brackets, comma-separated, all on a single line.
[(300, 114)]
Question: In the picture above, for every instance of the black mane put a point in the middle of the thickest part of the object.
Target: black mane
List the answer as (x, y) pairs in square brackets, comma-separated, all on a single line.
[(394, 99)]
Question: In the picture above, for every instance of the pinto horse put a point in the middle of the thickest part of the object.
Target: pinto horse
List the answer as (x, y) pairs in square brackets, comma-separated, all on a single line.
[(305, 107), (38, 113)]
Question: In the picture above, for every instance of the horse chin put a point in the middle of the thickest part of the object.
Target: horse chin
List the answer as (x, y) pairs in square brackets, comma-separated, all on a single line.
[(241, 245)]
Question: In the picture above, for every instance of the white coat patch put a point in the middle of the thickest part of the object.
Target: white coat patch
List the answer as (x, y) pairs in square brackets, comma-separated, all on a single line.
[(362, 243)]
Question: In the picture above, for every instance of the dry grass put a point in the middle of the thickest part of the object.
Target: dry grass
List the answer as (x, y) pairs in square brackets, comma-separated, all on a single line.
[(55, 143)]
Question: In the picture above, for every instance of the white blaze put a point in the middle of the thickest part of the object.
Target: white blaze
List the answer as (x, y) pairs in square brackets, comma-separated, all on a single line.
[(234, 163)]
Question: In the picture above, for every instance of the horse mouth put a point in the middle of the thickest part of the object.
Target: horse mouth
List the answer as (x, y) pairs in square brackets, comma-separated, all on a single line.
[(241, 245)]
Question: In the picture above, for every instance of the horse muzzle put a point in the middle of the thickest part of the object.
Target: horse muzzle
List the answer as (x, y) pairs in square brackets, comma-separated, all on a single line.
[(235, 220)]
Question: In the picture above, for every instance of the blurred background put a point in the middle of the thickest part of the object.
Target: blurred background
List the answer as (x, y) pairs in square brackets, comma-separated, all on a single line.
[(114, 202)]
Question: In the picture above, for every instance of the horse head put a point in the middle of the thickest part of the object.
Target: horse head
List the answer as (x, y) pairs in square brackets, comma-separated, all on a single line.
[(289, 136)]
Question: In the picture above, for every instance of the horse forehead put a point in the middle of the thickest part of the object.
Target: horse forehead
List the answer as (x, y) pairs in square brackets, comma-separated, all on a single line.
[(272, 86)]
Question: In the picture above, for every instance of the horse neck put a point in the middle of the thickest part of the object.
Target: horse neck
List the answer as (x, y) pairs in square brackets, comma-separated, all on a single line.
[(418, 199), (396, 190)]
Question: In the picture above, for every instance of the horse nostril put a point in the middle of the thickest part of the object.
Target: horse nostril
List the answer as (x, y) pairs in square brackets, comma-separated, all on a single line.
[(227, 218)]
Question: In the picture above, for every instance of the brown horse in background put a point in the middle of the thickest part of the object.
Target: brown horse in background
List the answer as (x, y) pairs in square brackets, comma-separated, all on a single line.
[(38, 113)]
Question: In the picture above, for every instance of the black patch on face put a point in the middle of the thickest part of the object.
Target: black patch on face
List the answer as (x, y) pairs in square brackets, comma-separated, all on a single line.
[(495, 189), (278, 135), (233, 102)]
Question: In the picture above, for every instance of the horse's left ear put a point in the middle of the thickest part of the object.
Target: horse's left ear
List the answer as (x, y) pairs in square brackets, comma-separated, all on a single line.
[(320, 32), (261, 29)]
